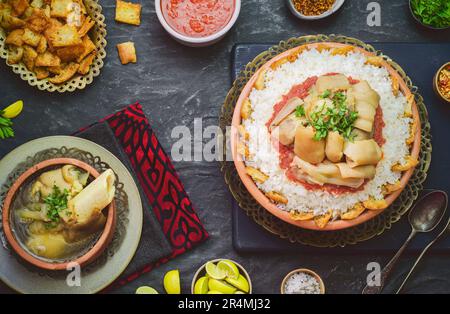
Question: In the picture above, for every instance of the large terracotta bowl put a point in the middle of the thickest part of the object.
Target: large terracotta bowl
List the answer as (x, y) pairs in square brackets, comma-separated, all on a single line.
[(44, 263), (259, 195)]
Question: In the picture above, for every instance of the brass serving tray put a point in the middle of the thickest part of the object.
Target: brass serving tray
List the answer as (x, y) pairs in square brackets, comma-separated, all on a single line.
[(341, 238), (98, 36)]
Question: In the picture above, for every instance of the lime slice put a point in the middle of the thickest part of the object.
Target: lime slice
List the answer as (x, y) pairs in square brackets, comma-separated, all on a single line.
[(201, 286), (214, 272), (172, 282), (146, 290), (221, 286), (229, 268), (214, 292), (241, 283), (12, 110)]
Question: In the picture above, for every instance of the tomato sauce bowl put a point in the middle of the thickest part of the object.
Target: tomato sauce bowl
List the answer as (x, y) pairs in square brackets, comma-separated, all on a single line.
[(197, 23)]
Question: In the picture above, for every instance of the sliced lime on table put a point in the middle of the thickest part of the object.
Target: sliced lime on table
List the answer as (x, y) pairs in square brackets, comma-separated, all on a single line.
[(241, 283), (146, 290), (201, 286), (229, 268), (172, 282), (214, 272), (221, 286)]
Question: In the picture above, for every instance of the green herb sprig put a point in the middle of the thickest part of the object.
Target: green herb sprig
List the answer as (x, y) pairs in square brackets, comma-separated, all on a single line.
[(338, 118), (300, 111), (435, 13), (6, 130), (56, 202)]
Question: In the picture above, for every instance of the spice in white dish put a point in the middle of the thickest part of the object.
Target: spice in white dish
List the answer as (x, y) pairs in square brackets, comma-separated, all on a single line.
[(302, 283)]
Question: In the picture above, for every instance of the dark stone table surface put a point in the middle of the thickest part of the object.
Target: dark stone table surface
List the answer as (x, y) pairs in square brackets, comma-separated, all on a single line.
[(176, 84)]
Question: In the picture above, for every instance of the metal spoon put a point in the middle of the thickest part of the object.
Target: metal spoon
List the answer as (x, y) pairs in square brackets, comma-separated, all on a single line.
[(443, 198), (423, 217)]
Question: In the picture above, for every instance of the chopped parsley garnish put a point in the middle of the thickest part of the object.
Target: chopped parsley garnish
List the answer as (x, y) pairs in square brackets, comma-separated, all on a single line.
[(300, 111), (6, 130), (435, 13), (326, 94), (56, 202), (338, 118)]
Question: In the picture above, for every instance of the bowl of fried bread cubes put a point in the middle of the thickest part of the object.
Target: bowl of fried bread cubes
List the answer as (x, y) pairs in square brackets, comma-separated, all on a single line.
[(55, 45)]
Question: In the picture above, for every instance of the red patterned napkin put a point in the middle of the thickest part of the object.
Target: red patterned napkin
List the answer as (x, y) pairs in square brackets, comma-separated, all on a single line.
[(160, 184)]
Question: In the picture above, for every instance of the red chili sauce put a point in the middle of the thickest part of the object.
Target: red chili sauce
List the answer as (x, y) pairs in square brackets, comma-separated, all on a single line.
[(287, 152), (197, 18)]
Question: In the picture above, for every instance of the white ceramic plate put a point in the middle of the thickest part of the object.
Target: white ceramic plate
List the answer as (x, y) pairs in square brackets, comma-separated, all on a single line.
[(20, 278)]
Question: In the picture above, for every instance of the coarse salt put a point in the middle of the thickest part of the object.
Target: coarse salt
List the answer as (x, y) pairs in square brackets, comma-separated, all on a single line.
[(302, 283)]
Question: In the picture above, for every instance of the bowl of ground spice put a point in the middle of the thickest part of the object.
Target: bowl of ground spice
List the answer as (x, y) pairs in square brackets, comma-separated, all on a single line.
[(314, 9)]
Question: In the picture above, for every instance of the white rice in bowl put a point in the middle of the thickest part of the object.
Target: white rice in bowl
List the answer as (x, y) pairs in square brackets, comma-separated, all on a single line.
[(265, 157)]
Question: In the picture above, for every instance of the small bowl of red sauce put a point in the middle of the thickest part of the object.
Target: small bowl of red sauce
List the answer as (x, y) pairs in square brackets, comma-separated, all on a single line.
[(197, 23)]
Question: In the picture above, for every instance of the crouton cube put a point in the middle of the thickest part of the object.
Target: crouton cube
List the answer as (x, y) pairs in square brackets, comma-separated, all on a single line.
[(86, 63), (57, 69), (72, 53), (15, 54), (47, 59), (66, 74), (29, 55), (20, 6), (10, 22), (15, 38), (127, 52), (127, 12), (37, 3), (41, 73), (88, 45), (38, 21), (42, 46), (88, 23), (61, 8), (65, 36), (31, 38)]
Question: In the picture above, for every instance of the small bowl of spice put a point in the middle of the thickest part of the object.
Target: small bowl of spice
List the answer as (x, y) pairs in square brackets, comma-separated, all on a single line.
[(302, 281), (314, 9), (441, 82)]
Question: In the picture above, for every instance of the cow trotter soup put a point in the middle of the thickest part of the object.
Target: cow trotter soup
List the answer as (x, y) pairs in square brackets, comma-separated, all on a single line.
[(58, 214)]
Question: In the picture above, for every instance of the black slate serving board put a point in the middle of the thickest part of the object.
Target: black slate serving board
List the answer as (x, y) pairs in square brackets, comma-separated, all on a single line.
[(420, 61)]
